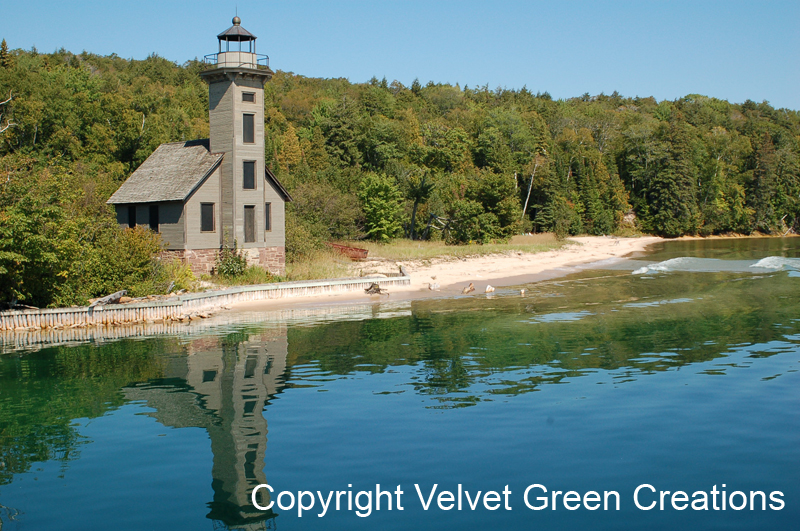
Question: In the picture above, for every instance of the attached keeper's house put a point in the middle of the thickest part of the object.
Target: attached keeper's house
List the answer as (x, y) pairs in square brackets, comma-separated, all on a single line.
[(202, 195)]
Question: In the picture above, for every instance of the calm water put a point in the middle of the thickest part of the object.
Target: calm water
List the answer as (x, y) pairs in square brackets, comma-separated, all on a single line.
[(678, 369)]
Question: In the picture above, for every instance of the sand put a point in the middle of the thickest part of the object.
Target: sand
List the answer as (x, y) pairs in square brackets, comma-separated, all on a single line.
[(448, 277)]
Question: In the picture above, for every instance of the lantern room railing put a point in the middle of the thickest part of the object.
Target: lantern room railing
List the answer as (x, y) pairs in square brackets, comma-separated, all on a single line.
[(237, 59)]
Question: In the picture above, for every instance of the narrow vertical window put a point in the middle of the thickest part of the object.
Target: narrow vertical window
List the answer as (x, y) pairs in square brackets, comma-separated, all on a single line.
[(153, 218), (249, 175), (249, 223), (207, 217), (249, 97), (248, 129), (268, 217), (132, 216)]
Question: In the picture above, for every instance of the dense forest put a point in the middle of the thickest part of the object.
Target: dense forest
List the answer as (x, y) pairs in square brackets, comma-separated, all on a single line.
[(373, 160)]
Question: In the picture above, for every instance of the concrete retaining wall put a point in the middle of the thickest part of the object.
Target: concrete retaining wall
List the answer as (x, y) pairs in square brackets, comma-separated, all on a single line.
[(182, 307)]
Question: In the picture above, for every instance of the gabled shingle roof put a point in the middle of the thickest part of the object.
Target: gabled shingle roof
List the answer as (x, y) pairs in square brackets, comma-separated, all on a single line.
[(170, 173)]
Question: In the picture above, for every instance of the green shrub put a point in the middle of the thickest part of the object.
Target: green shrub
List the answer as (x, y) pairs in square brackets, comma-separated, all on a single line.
[(230, 262)]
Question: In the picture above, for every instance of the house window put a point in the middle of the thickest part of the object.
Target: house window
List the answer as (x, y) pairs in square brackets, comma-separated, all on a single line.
[(249, 129), (154, 218), (249, 97), (249, 172), (132, 216), (268, 217), (206, 217), (249, 223)]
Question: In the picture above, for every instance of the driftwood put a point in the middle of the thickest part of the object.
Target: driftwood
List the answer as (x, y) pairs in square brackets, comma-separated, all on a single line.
[(109, 299), (375, 289)]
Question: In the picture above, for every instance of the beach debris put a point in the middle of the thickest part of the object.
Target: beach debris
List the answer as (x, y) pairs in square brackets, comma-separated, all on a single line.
[(375, 289), (433, 286), (468, 289), (403, 271), (522, 292), (489, 288), (109, 299), (433, 277)]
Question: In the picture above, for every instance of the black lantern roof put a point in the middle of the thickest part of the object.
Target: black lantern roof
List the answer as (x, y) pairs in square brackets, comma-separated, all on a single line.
[(236, 33)]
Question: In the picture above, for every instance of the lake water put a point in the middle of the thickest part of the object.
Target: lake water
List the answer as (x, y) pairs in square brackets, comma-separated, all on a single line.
[(677, 370)]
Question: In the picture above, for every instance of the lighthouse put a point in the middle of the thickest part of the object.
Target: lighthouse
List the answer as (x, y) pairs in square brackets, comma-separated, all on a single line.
[(204, 195)]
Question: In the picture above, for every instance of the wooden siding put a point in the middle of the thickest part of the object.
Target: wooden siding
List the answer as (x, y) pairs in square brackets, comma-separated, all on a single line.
[(171, 224), (207, 192), (277, 236), (243, 152), (221, 105)]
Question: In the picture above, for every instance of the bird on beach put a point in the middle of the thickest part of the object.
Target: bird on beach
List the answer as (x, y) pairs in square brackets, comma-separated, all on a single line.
[(489, 288), (433, 286), (468, 289), (522, 292)]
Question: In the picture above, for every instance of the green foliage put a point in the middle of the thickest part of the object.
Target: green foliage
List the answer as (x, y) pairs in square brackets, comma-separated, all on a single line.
[(6, 59), (366, 159), (177, 274), (230, 262), (380, 199), (248, 276)]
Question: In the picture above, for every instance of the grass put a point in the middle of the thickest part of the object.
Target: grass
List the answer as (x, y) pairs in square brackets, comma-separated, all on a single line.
[(319, 264), (327, 263), (401, 250)]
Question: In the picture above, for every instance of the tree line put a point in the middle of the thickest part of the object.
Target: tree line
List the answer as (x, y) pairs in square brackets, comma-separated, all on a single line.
[(373, 160)]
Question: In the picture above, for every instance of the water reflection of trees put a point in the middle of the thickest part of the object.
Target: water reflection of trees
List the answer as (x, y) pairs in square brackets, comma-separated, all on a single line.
[(42, 392), (470, 349)]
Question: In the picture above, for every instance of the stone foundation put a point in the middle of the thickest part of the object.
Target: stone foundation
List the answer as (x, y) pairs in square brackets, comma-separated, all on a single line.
[(202, 261)]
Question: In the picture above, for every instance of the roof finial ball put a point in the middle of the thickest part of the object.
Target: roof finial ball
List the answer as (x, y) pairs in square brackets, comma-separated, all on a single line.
[(236, 20)]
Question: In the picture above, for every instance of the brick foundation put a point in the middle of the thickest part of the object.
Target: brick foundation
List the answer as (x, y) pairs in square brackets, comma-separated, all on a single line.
[(202, 261)]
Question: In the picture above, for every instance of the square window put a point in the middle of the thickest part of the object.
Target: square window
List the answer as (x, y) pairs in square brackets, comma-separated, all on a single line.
[(249, 129), (249, 175), (206, 217), (249, 97)]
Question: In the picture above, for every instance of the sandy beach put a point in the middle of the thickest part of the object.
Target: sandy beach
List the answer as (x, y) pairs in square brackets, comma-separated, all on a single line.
[(448, 277)]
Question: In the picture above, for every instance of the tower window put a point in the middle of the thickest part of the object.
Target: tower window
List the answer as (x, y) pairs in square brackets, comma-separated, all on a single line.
[(206, 217), (249, 97), (154, 218), (249, 175), (132, 216), (248, 129), (268, 217), (249, 223)]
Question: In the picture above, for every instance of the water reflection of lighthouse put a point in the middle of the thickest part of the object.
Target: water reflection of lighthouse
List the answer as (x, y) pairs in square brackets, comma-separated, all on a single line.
[(230, 380)]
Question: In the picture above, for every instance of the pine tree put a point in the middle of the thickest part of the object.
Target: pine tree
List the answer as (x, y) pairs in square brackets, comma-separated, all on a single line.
[(6, 59), (763, 187)]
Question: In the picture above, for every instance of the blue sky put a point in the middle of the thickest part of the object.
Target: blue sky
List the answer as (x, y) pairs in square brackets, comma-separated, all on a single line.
[(727, 49)]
